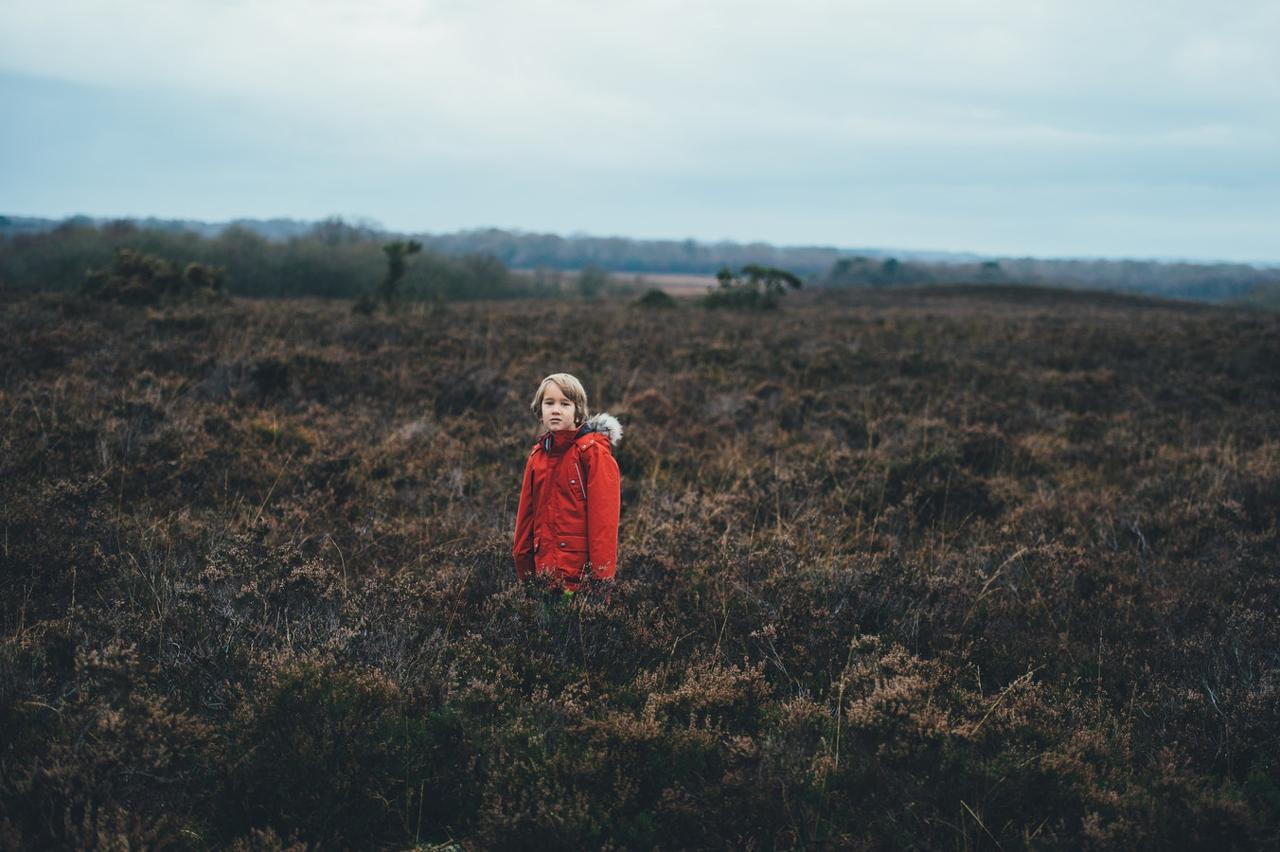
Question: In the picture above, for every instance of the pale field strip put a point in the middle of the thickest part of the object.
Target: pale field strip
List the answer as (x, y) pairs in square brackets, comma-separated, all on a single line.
[(677, 284)]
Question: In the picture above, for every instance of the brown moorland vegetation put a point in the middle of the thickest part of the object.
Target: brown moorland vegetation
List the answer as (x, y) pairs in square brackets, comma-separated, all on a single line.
[(939, 569)]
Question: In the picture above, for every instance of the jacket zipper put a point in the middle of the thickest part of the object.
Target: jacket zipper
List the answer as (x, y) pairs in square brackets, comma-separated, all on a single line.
[(582, 483)]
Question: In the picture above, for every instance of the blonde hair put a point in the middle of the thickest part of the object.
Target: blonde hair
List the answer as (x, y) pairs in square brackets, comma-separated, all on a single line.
[(573, 391)]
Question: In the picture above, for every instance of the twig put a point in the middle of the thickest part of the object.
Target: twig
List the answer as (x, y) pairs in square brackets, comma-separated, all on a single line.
[(1001, 696), (343, 559), (981, 825), (272, 489), (1020, 552)]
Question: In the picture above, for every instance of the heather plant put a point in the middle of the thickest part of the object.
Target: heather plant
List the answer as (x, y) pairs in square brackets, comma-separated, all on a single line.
[(926, 569)]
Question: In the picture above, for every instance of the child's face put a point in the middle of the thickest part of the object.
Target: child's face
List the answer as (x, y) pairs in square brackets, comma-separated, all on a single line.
[(557, 409)]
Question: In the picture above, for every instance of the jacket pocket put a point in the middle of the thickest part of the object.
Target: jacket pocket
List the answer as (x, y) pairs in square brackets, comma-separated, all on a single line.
[(570, 551)]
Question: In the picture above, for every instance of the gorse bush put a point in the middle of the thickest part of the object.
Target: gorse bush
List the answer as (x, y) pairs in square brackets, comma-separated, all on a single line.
[(143, 279), (925, 570)]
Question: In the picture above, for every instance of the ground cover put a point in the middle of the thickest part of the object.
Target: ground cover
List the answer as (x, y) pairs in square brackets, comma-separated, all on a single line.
[(940, 569)]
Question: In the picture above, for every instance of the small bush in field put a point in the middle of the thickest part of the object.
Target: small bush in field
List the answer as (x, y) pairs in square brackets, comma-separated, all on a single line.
[(656, 299)]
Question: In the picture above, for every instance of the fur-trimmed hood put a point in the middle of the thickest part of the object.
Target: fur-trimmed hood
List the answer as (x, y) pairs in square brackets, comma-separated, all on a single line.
[(604, 423)]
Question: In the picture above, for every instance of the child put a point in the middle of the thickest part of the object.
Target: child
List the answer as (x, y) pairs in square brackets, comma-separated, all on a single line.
[(567, 522)]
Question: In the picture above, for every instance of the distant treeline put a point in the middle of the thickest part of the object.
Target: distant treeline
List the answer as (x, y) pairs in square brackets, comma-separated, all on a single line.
[(1204, 282), (833, 267), (619, 254), (331, 259), (517, 250), (285, 257)]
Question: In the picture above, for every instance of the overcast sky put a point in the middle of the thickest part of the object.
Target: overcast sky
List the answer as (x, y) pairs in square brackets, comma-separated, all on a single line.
[(1010, 127)]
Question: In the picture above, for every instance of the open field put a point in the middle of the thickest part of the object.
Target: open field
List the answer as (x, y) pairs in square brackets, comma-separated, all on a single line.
[(937, 569), (674, 284)]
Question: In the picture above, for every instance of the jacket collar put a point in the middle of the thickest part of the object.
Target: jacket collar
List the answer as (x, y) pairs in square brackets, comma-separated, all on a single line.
[(558, 442), (605, 424)]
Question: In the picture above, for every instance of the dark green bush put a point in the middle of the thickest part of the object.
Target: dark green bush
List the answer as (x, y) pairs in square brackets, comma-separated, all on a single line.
[(143, 279), (655, 298)]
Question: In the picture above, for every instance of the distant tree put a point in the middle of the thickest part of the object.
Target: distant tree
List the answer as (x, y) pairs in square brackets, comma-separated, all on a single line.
[(396, 251), (336, 231), (990, 271), (889, 270), (861, 271), (72, 223), (774, 281), (756, 288)]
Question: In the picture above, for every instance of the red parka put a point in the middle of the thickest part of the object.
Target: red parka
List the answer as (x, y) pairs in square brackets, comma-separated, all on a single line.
[(567, 522)]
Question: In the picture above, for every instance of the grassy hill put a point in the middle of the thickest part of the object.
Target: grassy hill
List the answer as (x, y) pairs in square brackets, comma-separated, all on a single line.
[(933, 569)]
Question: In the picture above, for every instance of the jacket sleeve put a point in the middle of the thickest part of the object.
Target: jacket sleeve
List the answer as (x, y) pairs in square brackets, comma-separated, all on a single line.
[(522, 550), (603, 504)]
